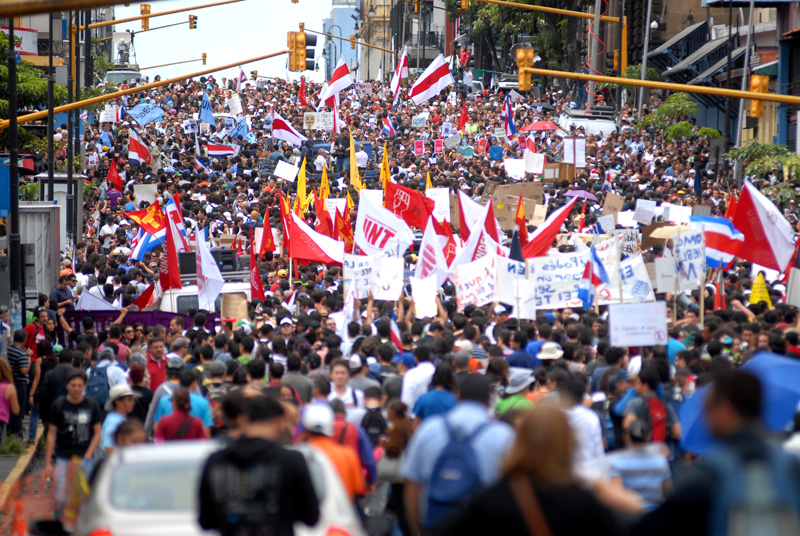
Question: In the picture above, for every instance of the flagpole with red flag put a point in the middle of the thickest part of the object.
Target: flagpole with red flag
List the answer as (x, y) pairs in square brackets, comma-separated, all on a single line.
[(256, 287), (113, 175)]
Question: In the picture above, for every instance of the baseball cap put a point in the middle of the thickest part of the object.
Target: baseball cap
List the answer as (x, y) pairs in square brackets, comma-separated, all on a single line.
[(405, 359), (499, 310), (286, 320), (639, 430), (217, 368), (356, 363)]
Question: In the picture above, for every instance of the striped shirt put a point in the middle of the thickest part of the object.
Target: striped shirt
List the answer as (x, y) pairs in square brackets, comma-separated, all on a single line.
[(18, 359)]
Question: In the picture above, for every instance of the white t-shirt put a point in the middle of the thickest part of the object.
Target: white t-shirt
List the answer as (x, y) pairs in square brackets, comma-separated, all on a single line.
[(107, 232)]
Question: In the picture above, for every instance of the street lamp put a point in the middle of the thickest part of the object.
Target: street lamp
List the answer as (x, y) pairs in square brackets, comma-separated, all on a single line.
[(644, 52), (329, 41)]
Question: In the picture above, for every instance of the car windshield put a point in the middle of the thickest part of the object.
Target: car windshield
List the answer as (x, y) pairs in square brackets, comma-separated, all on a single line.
[(188, 303), (118, 77), (157, 485)]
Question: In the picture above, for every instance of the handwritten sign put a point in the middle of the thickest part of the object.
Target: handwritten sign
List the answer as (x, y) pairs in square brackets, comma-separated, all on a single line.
[(418, 121), (558, 279), (452, 141), (356, 274), (508, 270), (690, 258), (475, 282), (441, 199), (613, 204), (386, 279), (286, 171), (438, 146), (636, 286), (539, 215), (108, 114), (629, 240), (266, 167), (419, 147), (637, 324)]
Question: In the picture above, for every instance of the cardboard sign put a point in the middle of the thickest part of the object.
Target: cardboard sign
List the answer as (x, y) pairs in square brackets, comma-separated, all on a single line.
[(539, 215), (529, 190), (648, 240), (234, 305), (637, 324), (613, 204), (356, 275), (286, 171), (505, 210)]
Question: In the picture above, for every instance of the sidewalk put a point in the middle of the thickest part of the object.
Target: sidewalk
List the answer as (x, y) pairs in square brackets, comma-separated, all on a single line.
[(13, 467)]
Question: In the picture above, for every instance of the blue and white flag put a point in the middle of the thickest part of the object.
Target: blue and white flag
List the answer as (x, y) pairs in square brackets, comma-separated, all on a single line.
[(241, 129), (144, 242), (206, 114), (508, 114), (146, 113)]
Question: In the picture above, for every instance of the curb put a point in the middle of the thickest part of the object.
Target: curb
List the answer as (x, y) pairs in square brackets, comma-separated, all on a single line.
[(19, 469)]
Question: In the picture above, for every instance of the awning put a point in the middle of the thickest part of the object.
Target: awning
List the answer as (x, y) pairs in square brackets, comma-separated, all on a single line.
[(767, 69)]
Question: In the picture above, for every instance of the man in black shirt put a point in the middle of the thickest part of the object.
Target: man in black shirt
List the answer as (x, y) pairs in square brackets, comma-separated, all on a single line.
[(20, 365), (61, 297), (255, 486)]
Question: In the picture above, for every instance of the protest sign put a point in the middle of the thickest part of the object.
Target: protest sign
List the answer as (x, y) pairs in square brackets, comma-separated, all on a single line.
[(557, 279), (701, 210), (441, 198), (438, 146), (580, 153), (607, 223), (499, 133), (386, 279), (534, 162), (637, 324), (266, 167), (230, 123), (145, 192), (483, 145), (423, 290), (318, 120), (525, 302), (678, 214), (286, 171), (636, 286), (475, 282), (235, 105), (643, 216), (356, 274), (648, 240), (447, 129), (108, 114), (515, 168), (466, 152), (529, 190), (629, 240), (569, 150), (507, 271), (190, 126), (335, 203), (539, 215), (418, 121), (233, 305), (690, 258), (419, 147), (613, 204), (374, 196), (665, 274), (452, 141)]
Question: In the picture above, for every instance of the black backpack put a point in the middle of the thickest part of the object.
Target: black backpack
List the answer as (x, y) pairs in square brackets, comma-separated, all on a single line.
[(374, 424)]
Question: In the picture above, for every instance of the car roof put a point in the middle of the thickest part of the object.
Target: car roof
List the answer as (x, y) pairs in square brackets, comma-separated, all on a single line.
[(167, 452)]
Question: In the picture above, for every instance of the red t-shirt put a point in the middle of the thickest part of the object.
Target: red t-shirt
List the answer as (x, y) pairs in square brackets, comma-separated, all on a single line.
[(157, 370), (167, 427), (35, 335)]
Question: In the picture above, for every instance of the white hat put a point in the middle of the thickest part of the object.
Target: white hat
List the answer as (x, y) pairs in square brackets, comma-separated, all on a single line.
[(286, 320), (550, 351), (117, 392), (318, 418)]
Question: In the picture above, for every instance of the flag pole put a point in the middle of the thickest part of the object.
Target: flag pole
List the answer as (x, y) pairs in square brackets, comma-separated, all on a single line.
[(702, 298)]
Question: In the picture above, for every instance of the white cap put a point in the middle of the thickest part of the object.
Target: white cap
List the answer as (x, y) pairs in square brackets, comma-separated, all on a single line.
[(318, 418)]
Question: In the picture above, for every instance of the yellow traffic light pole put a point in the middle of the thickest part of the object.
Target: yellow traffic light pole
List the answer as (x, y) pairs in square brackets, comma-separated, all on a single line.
[(74, 28), (700, 90), (109, 96), (169, 64)]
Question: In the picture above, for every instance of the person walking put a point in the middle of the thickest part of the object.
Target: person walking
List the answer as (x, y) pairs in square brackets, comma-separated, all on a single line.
[(19, 360), (9, 404), (179, 425)]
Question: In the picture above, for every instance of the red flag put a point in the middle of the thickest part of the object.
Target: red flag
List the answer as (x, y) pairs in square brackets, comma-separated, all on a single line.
[(491, 223), (442, 228), (462, 120), (582, 221), (522, 222), (169, 270), (719, 294), (344, 230), (267, 242), (256, 289), (285, 218), (732, 204), (450, 250), (541, 240), (767, 233), (301, 94), (113, 176), (151, 219), (323, 224), (412, 206), (145, 298), (309, 245)]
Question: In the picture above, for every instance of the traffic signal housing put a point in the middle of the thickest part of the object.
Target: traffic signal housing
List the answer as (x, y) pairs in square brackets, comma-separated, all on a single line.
[(525, 60), (352, 41), (463, 4), (301, 51), (204, 58), (144, 9), (760, 84), (192, 22), (253, 74), (417, 5)]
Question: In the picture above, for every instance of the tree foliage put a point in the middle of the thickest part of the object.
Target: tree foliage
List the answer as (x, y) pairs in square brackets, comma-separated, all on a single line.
[(678, 107), (760, 159), (31, 84)]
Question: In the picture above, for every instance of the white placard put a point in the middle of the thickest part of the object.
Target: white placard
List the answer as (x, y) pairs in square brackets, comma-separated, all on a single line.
[(374, 196), (690, 258), (508, 270), (665, 274), (637, 324), (386, 280), (515, 168), (235, 105), (475, 282), (607, 223), (534, 162), (334, 203), (190, 126), (525, 302), (286, 171), (452, 141), (447, 129), (356, 274), (568, 151), (580, 152), (636, 286), (108, 114), (643, 215), (441, 198), (145, 192), (423, 290)]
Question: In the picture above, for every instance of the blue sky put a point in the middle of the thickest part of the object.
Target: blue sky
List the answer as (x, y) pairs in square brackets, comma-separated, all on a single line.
[(226, 34)]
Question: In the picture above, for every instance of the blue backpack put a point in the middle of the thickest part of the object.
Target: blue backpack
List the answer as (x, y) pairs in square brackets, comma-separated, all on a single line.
[(755, 496), (97, 386), (455, 478)]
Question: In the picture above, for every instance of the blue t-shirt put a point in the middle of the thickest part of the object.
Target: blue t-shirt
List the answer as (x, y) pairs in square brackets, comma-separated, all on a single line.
[(533, 348), (110, 425), (200, 409), (434, 402), (496, 152)]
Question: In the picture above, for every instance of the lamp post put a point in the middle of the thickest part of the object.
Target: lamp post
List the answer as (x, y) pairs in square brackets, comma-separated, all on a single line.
[(335, 57), (648, 26)]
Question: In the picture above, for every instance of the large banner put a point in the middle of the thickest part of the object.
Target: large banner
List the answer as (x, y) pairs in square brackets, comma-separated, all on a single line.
[(557, 279)]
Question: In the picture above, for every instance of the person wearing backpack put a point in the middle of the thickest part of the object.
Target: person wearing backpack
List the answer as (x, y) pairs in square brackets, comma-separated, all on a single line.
[(746, 484), (453, 455), (105, 375), (648, 407)]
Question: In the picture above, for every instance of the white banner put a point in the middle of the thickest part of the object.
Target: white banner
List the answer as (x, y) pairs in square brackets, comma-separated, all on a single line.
[(558, 279), (636, 286)]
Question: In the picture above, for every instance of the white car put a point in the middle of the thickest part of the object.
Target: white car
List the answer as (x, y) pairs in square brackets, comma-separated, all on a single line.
[(185, 299), (152, 490), (597, 123)]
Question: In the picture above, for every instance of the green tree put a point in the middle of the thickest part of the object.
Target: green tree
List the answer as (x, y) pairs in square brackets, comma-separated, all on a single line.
[(31, 83), (678, 107)]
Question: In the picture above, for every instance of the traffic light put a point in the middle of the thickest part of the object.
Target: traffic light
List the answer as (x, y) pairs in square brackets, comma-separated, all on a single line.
[(524, 60), (192, 22), (204, 58), (253, 74), (760, 84), (301, 51), (463, 4), (352, 41), (144, 9), (417, 5)]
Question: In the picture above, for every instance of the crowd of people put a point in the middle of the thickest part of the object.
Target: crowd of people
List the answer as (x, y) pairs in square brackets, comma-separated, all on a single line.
[(469, 420)]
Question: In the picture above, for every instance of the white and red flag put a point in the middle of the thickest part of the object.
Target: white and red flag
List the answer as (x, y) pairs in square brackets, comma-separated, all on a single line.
[(435, 78)]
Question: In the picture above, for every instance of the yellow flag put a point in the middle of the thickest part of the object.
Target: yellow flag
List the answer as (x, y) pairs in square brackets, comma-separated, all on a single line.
[(324, 186), (428, 183), (308, 202), (759, 292), (355, 178), (350, 203), (301, 185), (385, 175)]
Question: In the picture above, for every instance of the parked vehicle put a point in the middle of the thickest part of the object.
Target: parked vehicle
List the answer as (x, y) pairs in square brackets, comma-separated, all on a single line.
[(598, 121), (153, 490)]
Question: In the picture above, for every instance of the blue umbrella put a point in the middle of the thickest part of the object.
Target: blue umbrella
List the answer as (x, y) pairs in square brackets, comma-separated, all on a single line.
[(780, 387)]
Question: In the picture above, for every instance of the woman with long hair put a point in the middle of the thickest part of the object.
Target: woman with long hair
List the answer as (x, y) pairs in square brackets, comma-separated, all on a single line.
[(538, 493), (440, 397)]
